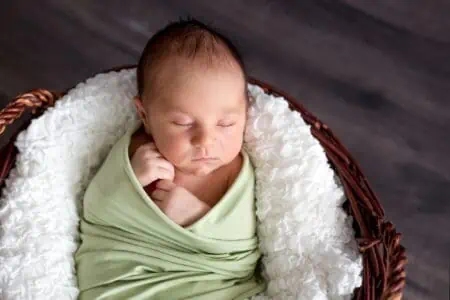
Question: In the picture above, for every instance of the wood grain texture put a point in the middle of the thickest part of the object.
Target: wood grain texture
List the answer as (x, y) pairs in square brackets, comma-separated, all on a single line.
[(377, 72)]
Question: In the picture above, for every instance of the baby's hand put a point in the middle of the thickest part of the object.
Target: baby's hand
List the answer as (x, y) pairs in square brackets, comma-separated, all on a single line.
[(178, 204), (148, 165)]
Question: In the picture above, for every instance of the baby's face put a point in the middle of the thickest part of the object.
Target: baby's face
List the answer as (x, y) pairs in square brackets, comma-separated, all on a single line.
[(198, 121)]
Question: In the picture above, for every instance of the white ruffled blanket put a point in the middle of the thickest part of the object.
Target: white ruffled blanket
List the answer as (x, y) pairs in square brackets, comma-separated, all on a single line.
[(308, 245)]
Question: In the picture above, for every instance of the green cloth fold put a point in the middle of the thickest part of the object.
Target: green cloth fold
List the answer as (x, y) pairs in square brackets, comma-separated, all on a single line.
[(131, 250)]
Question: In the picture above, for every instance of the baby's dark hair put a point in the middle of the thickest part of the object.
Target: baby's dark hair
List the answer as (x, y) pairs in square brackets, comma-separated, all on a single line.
[(188, 39)]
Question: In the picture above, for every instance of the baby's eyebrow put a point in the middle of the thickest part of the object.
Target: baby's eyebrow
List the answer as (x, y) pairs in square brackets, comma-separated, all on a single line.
[(173, 109), (177, 111), (228, 111), (233, 110)]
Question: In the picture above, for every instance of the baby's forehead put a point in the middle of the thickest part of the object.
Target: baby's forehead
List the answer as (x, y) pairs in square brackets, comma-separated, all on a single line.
[(221, 60), (215, 95), (174, 72)]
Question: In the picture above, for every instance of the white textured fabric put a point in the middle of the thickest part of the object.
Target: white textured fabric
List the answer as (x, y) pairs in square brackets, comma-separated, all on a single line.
[(306, 238)]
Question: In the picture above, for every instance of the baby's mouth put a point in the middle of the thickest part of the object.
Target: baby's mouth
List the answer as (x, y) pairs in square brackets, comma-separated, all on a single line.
[(205, 159)]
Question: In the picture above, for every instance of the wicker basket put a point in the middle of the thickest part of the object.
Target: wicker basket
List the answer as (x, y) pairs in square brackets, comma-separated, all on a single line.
[(384, 258)]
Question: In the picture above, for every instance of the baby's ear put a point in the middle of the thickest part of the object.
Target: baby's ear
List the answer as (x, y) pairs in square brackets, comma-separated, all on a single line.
[(139, 107), (142, 113)]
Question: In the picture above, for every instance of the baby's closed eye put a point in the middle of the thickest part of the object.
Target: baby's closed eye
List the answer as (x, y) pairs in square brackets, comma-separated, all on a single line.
[(190, 124), (182, 123), (226, 123)]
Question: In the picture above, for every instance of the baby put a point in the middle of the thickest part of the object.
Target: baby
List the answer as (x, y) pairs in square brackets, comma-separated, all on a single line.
[(171, 212), (192, 101)]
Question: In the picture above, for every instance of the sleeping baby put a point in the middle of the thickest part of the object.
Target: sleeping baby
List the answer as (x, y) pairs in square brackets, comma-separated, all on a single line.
[(170, 214)]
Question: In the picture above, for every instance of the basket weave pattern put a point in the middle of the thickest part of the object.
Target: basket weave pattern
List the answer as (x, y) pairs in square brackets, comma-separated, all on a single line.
[(383, 257)]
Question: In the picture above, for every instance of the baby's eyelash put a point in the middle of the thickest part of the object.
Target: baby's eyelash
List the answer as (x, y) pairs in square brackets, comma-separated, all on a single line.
[(184, 125), (191, 124), (226, 125)]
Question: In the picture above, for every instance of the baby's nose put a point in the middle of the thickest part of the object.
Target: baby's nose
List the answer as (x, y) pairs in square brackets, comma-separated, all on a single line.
[(204, 138)]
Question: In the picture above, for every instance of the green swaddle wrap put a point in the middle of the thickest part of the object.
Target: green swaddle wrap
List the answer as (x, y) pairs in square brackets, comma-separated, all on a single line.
[(131, 250)]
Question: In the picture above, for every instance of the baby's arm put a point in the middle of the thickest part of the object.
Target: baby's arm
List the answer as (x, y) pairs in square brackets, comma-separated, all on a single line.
[(180, 205)]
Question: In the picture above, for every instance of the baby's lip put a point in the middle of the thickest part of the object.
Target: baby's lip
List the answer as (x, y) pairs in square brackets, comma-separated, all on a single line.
[(204, 158)]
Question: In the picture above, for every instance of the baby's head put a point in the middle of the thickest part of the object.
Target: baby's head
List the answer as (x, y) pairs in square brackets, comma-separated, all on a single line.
[(192, 96)]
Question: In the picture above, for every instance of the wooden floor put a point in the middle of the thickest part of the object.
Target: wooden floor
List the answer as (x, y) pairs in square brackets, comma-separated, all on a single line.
[(376, 71)]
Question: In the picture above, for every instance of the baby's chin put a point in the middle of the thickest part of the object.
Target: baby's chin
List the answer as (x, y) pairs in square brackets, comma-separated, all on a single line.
[(201, 170)]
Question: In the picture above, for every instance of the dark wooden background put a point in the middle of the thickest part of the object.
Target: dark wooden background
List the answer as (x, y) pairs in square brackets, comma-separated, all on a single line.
[(376, 71)]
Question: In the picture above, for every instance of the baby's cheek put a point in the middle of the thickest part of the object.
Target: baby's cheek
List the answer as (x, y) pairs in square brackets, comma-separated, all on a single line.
[(232, 145), (177, 147)]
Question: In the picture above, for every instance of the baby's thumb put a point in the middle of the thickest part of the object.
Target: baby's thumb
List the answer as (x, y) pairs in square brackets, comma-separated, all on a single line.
[(166, 185)]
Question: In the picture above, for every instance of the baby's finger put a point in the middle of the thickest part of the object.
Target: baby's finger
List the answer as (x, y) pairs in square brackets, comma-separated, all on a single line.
[(147, 146), (159, 195), (163, 173), (166, 185), (150, 154), (164, 164)]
